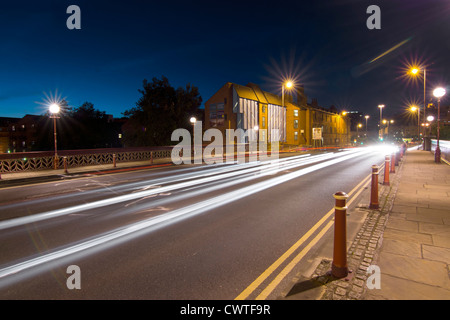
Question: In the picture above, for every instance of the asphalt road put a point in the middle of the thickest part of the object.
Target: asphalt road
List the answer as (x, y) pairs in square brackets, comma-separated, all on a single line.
[(195, 232)]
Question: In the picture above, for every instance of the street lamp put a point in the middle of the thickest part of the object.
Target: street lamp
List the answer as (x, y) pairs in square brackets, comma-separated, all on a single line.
[(414, 109), (381, 106), (367, 118), (359, 126), (193, 120), (288, 84), (387, 122), (438, 93), (414, 71), (54, 110)]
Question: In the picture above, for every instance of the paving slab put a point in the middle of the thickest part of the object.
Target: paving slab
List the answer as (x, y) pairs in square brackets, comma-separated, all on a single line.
[(433, 273), (393, 288)]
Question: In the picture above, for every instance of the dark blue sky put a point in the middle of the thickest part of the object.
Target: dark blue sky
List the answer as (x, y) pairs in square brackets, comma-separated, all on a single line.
[(324, 44)]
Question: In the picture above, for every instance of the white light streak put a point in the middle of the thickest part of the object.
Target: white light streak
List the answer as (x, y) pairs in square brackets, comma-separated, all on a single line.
[(145, 226)]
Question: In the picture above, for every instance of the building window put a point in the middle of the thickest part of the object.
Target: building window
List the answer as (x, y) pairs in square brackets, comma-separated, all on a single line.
[(295, 124), (263, 109), (295, 136), (217, 114), (263, 124), (295, 113)]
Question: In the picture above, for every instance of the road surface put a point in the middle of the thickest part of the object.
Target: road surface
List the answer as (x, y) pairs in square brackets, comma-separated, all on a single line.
[(195, 232)]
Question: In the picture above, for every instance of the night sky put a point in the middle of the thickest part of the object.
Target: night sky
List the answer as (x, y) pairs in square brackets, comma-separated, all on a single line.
[(325, 45)]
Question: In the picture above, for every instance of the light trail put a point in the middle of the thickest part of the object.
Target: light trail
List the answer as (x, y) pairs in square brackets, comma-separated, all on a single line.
[(133, 230), (254, 167)]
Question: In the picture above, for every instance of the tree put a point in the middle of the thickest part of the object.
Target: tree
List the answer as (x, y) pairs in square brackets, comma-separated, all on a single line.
[(79, 128), (159, 111)]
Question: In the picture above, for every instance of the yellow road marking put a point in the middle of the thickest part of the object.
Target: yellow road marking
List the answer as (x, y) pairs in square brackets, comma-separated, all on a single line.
[(255, 284), (268, 290)]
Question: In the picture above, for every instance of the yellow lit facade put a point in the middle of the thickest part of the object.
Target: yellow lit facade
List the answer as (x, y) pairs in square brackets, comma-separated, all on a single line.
[(246, 107)]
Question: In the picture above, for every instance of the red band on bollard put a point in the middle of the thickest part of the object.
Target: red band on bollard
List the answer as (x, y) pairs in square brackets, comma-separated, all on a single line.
[(386, 171), (339, 268), (374, 189)]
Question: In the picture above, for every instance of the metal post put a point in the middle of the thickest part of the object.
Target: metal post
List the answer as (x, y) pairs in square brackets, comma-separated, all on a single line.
[(65, 165), (437, 153), (114, 160), (374, 189), (424, 101), (56, 164), (386, 171), (339, 268)]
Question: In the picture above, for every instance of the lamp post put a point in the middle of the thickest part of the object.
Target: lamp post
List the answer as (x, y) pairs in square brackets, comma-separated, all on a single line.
[(381, 106), (288, 84), (357, 129), (54, 110), (414, 109), (438, 93), (387, 122), (345, 124), (415, 71), (193, 121), (367, 118)]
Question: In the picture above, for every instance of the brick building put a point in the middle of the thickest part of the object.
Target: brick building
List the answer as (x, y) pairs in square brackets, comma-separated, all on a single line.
[(236, 106)]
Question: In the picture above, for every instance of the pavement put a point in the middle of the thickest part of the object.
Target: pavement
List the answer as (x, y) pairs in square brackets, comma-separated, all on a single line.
[(400, 251)]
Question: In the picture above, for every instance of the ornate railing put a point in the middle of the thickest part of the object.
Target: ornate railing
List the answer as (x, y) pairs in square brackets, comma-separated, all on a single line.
[(33, 161)]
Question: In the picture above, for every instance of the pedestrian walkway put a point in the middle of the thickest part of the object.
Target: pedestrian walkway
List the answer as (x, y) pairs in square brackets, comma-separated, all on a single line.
[(407, 240), (414, 256)]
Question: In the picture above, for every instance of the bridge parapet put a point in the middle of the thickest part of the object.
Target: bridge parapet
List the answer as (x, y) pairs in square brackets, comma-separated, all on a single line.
[(34, 161)]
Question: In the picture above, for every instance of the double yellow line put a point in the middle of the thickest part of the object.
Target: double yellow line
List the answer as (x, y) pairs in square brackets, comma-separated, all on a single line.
[(288, 268)]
